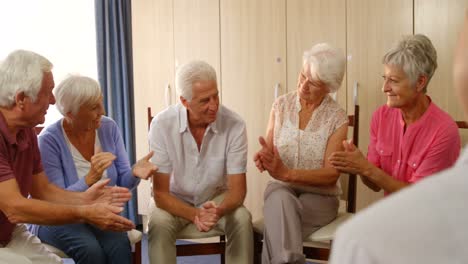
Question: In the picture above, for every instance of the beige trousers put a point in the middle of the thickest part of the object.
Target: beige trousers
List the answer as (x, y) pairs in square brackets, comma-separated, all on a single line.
[(26, 248), (289, 217), (163, 229)]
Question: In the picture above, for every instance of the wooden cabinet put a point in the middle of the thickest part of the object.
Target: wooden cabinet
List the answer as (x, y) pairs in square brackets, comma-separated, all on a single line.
[(311, 22), (256, 48), (441, 21), (153, 72), (372, 28)]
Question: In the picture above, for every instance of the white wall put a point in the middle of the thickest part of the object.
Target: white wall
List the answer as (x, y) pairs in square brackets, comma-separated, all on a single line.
[(61, 30)]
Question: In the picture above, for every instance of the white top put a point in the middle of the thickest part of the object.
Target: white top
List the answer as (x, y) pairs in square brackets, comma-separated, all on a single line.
[(305, 149), (198, 176), (81, 164), (425, 223)]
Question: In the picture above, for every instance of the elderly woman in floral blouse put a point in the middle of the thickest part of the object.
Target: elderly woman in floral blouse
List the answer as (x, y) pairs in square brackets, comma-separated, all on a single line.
[(305, 127)]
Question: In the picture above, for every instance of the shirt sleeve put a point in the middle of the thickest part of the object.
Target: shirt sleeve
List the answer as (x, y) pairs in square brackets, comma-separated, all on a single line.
[(157, 141), (237, 151), (37, 163), (6, 172), (56, 167), (372, 154), (442, 153)]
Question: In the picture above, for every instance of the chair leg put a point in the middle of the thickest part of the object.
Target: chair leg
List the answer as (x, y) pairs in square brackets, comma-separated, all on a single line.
[(257, 248), (136, 256), (222, 239)]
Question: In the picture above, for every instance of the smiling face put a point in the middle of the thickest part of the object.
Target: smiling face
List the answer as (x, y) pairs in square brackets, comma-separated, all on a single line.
[(89, 115), (34, 112), (308, 87), (203, 107), (400, 91)]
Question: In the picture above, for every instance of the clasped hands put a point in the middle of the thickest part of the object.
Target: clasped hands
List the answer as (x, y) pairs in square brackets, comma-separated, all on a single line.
[(207, 216), (351, 160), (268, 158)]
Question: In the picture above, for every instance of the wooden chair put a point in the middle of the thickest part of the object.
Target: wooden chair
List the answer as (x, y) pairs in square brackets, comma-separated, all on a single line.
[(190, 232), (134, 235), (318, 244), (462, 124)]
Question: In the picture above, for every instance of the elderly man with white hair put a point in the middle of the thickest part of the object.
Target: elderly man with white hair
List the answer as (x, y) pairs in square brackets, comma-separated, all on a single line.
[(306, 126), (200, 148), (26, 84)]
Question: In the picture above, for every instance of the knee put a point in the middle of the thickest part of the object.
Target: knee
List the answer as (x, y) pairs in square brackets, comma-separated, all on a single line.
[(277, 197), (241, 216), (90, 252), (161, 223)]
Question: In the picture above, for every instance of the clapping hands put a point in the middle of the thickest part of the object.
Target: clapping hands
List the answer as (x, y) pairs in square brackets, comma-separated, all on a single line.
[(269, 159)]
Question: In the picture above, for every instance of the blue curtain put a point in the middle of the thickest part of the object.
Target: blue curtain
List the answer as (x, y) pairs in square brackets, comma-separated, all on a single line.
[(115, 73)]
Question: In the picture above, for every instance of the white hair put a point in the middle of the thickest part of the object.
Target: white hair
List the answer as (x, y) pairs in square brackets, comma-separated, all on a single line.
[(75, 91), (415, 55), (327, 64), (22, 71), (190, 73)]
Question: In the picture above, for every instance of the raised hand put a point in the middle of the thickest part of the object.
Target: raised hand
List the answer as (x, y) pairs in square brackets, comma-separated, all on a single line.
[(265, 149), (101, 193), (99, 163), (272, 162), (106, 217), (144, 168)]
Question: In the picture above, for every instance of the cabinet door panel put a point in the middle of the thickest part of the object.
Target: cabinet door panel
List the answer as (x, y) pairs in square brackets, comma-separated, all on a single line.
[(196, 32), (153, 71), (311, 22), (253, 50), (441, 21), (372, 28)]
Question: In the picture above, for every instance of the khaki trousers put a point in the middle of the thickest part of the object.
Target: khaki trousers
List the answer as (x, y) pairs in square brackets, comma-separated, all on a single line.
[(289, 217), (163, 229), (25, 248)]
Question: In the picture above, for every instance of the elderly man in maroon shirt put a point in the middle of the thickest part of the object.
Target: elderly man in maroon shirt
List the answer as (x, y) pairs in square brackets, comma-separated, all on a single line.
[(26, 84)]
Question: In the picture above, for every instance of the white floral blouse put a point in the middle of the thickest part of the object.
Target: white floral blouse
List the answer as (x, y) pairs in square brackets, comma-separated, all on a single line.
[(305, 149)]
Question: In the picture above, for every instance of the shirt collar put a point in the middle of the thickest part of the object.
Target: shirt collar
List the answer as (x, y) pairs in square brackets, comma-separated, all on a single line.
[(183, 121), (429, 109), (20, 138)]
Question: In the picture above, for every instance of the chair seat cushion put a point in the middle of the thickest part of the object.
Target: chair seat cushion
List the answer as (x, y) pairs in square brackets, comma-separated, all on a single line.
[(191, 232), (134, 236), (324, 235)]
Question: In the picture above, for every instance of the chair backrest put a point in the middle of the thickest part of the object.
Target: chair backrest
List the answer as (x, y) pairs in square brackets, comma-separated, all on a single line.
[(462, 124), (149, 116), (349, 186)]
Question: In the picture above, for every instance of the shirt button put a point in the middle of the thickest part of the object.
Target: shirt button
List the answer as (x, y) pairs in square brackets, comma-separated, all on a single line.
[(398, 161), (381, 151), (414, 164)]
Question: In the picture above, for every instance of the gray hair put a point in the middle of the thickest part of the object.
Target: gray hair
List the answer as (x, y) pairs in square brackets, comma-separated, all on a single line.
[(415, 55), (190, 73), (22, 71), (75, 91), (327, 64)]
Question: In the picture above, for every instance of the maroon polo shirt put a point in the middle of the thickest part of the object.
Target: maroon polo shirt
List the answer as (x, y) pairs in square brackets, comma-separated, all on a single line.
[(19, 159)]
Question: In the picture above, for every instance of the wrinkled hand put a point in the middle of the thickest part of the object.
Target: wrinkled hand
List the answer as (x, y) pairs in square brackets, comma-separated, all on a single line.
[(207, 216), (351, 160), (99, 163), (101, 193), (144, 169), (106, 217), (265, 149), (271, 161)]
